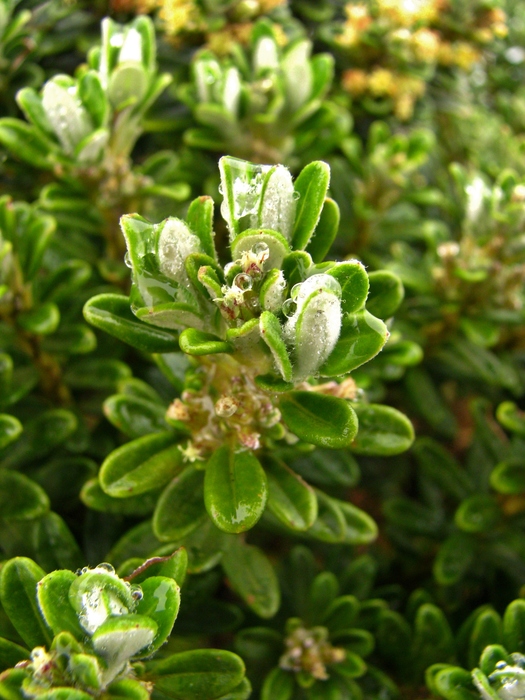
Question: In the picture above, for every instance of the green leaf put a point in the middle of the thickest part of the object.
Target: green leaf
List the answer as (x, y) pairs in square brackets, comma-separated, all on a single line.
[(487, 630), (353, 279), (278, 685), (451, 682), (511, 417), (454, 559), (10, 655), (271, 333), (11, 684), (200, 221), (439, 465), (10, 429), (41, 435), (64, 280), (311, 185), (121, 637), (94, 497), (25, 143), (55, 545), (360, 528), (328, 468), (330, 525), (135, 416), (325, 231), (42, 320), (112, 314), (235, 490), (509, 477), (352, 666), (322, 420), (362, 337), (18, 586), (53, 592), (382, 430), (195, 342), (127, 689), (433, 641), (141, 465), (96, 373), (386, 293), (180, 509), (513, 626), (259, 644), (478, 513), (290, 498), (160, 602), (252, 577), (197, 674), (20, 497)]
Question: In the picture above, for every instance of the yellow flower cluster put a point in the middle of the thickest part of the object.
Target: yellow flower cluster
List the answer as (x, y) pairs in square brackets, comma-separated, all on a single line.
[(407, 13), (411, 35), (178, 17), (403, 90)]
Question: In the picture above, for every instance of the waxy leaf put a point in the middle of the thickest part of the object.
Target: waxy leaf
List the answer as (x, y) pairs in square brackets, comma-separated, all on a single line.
[(194, 342), (353, 279), (235, 490), (20, 497), (251, 575), (135, 416), (197, 674), (18, 585), (180, 509), (53, 599), (10, 655), (160, 602), (325, 231), (290, 498), (112, 314), (278, 685), (386, 293), (271, 333), (42, 320), (362, 337), (322, 420), (478, 513), (200, 221), (141, 465), (311, 185), (514, 626), (10, 429), (382, 430)]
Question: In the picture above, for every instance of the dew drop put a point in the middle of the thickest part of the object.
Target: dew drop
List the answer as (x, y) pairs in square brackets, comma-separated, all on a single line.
[(243, 281), (107, 567), (261, 249), (296, 195), (136, 592), (294, 292), (127, 260), (289, 307), (501, 664)]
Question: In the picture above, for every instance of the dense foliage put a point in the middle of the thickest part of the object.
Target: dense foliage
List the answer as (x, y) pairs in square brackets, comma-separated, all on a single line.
[(262, 349)]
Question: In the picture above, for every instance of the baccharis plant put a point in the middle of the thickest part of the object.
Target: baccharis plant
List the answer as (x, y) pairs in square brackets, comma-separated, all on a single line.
[(84, 128), (273, 335), (266, 103), (92, 633)]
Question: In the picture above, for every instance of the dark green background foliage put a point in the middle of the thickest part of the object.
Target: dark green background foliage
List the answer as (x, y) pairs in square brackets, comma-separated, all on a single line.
[(262, 349)]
